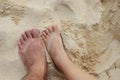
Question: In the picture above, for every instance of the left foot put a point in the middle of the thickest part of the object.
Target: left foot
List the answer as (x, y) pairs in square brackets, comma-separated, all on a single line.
[(32, 53), (52, 39)]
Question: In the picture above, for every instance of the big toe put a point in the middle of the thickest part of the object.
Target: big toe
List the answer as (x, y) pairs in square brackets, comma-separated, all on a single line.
[(56, 29), (35, 33)]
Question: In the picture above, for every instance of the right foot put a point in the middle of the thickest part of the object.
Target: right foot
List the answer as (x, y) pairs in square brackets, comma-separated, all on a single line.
[(54, 45), (32, 53)]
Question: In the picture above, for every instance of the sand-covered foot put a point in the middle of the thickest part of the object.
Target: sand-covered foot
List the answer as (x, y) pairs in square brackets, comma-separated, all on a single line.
[(31, 51), (54, 45)]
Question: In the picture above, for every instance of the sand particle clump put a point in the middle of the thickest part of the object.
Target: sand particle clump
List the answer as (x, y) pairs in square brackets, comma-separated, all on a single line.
[(84, 52)]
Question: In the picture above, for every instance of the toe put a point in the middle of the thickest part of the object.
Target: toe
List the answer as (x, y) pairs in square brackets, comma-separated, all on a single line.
[(28, 34), (47, 31), (44, 34), (19, 45), (43, 37), (22, 40), (50, 29), (56, 29), (35, 33), (24, 36)]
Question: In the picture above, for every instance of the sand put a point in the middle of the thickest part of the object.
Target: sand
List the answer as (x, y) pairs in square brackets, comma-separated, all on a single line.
[(90, 31)]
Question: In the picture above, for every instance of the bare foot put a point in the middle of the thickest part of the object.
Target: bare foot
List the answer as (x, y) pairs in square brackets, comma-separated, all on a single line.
[(32, 53), (54, 45)]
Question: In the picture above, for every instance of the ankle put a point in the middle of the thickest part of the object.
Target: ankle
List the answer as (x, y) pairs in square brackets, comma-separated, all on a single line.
[(60, 56), (62, 60), (33, 75), (65, 65)]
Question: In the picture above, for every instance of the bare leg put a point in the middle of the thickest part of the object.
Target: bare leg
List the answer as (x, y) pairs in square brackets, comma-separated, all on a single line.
[(32, 55), (53, 42)]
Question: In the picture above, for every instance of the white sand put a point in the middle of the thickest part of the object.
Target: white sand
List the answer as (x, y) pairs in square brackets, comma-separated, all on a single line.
[(90, 31)]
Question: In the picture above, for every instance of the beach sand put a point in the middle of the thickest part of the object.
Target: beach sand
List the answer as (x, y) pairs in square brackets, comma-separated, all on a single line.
[(90, 31)]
